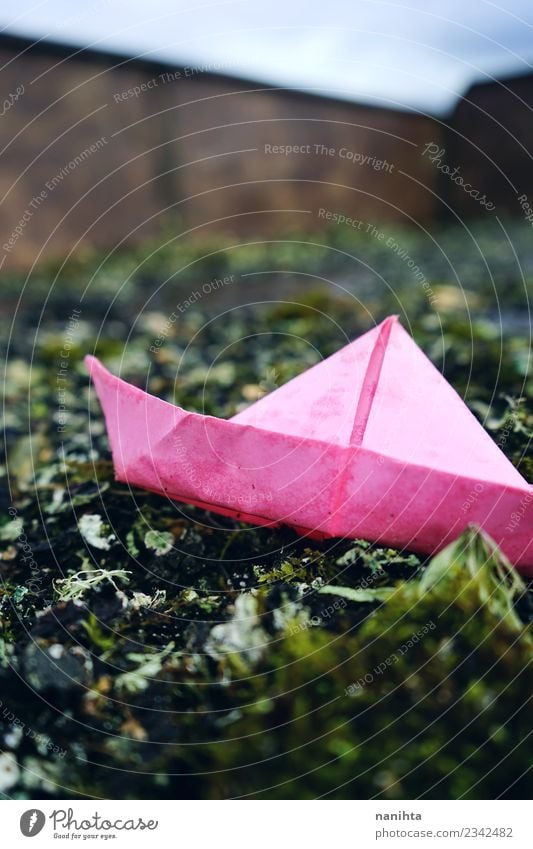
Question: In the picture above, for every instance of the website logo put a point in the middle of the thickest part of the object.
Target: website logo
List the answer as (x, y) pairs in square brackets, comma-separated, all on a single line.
[(32, 822)]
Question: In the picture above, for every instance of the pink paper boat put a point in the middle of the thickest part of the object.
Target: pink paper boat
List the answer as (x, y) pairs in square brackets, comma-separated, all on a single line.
[(371, 443)]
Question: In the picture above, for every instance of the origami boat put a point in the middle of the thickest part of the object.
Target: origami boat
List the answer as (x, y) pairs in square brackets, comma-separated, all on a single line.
[(371, 443)]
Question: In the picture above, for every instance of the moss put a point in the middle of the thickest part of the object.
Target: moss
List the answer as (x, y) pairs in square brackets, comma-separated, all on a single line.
[(150, 689), (428, 699)]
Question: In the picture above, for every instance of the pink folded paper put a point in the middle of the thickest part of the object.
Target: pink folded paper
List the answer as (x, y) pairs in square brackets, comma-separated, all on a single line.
[(371, 442)]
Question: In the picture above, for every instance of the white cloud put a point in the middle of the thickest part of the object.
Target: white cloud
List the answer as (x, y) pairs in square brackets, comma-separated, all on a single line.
[(420, 54)]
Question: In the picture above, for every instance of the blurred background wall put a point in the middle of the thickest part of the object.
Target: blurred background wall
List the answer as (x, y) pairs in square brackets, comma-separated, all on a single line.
[(100, 150)]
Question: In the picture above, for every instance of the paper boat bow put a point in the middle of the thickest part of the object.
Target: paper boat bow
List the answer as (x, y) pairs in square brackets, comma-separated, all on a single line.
[(371, 442)]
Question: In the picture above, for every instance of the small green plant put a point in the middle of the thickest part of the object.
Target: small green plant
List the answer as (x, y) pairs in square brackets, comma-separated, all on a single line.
[(421, 701), (148, 666), (159, 541), (103, 641)]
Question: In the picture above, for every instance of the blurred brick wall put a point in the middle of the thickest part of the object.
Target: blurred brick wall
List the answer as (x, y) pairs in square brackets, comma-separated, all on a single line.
[(192, 145), (491, 141)]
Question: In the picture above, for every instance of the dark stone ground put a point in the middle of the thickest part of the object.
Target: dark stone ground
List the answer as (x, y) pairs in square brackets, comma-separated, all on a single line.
[(151, 650)]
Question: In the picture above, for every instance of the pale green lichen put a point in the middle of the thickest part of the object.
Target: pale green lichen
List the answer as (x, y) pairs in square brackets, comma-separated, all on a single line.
[(76, 585), (11, 530), (159, 541), (148, 666), (9, 771), (242, 635), (95, 531)]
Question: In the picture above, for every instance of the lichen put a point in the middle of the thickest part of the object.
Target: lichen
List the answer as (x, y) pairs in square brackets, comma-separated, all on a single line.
[(167, 652)]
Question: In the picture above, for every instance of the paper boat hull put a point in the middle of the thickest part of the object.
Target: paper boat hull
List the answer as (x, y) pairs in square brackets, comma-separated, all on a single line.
[(320, 488)]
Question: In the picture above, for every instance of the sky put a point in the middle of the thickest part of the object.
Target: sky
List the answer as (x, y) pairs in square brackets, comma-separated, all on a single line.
[(418, 54)]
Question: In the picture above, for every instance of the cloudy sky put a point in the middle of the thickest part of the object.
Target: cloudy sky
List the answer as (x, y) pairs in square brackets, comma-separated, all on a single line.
[(419, 54)]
